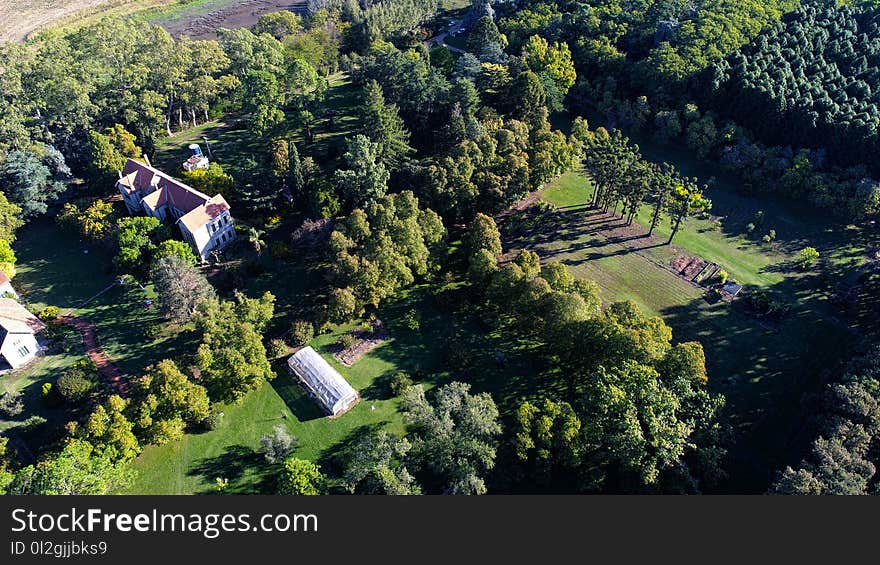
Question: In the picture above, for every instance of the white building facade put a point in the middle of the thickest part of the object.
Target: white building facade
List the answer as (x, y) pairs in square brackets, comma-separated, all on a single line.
[(18, 333), (204, 221)]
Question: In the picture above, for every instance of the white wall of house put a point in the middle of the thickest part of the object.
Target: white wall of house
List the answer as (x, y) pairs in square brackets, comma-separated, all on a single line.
[(132, 202), (19, 348), (215, 235)]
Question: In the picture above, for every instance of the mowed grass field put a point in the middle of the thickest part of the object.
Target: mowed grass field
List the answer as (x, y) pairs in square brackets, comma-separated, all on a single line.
[(58, 269), (231, 451), (763, 369)]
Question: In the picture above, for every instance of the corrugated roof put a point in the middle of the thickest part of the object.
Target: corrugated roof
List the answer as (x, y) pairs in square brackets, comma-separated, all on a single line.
[(331, 389)]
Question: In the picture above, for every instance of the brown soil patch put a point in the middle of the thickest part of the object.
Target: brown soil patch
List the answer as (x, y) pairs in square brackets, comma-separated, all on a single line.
[(366, 342), (237, 15), (688, 267)]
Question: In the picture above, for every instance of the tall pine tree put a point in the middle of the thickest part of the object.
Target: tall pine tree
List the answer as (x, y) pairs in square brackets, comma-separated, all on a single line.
[(382, 123)]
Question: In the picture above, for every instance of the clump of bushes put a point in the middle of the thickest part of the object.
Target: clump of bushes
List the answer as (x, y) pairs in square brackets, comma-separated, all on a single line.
[(807, 257), (346, 340), (11, 404), (278, 445), (49, 314), (301, 333), (277, 347), (152, 331), (77, 383), (400, 381), (214, 419), (412, 320)]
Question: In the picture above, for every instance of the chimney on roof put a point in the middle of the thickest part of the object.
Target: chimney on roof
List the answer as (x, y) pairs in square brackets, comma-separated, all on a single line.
[(119, 172)]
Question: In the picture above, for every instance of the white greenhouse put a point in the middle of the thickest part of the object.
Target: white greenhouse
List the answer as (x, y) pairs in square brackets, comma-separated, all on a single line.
[(325, 383)]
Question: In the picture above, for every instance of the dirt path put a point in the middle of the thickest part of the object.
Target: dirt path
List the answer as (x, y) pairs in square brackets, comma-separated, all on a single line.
[(108, 371)]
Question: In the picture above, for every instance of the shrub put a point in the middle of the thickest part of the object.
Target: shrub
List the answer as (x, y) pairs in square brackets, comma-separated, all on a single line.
[(722, 276), (49, 314), (214, 419), (772, 234), (301, 332), (750, 228), (46, 389), (74, 385), (767, 238), (152, 331), (278, 445), (11, 404), (399, 382), (300, 478), (273, 220), (346, 340), (412, 320), (758, 218), (33, 422), (807, 257), (277, 348)]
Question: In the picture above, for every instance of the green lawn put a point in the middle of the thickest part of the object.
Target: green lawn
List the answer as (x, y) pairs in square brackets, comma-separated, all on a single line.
[(762, 369), (55, 270), (191, 465)]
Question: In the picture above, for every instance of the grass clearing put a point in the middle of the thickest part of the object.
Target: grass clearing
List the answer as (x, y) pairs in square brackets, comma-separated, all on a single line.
[(192, 464), (763, 369)]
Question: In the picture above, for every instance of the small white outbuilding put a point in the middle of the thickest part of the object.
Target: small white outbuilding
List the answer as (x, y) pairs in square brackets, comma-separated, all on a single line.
[(329, 388)]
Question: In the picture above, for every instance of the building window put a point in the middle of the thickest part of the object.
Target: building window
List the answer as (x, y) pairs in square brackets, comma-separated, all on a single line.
[(23, 351)]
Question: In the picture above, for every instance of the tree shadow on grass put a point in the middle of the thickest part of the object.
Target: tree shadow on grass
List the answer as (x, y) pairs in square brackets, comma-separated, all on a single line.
[(380, 388), (234, 464), (333, 460), (302, 405), (766, 371)]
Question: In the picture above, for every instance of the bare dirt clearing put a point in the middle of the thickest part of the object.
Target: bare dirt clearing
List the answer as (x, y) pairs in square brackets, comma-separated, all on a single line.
[(203, 21)]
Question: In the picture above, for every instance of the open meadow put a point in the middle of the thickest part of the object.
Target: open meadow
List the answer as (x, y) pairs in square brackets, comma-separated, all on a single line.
[(764, 369)]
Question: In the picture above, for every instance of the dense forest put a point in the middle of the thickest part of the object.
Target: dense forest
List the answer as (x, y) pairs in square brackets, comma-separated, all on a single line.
[(811, 80), (438, 144)]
